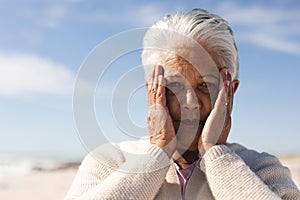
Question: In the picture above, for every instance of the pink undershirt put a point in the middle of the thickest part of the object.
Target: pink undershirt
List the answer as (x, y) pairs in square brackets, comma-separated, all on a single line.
[(184, 175)]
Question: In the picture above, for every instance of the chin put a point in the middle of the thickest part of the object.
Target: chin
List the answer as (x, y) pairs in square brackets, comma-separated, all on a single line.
[(187, 142), (187, 136)]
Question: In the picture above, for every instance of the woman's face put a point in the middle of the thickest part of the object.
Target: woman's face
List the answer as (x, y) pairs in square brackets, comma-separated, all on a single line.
[(190, 95)]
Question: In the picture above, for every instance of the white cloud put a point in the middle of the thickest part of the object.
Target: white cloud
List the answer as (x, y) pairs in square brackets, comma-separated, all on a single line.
[(139, 15), (269, 27), (25, 74), (272, 27), (53, 16), (144, 15), (271, 42)]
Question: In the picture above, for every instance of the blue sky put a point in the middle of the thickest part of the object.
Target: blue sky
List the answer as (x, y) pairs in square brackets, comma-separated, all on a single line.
[(44, 43)]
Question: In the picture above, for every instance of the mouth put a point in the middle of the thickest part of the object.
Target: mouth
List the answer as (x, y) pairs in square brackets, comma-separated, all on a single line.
[(192, 123)]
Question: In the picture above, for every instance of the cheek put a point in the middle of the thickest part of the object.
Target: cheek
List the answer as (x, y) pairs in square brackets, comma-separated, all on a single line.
[(206, 105), (173, 106)]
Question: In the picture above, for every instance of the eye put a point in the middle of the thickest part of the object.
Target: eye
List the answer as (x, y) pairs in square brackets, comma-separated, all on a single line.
[(174, 87), (206, 87), (174, 84)]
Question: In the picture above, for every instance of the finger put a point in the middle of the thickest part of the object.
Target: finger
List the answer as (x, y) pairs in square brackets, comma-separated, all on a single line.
[(227, 83), (221, 102), (215, 122), (230, 95), (225, 74), (228, 92), (151, 88), (158, 71), (158, 79), (225, 77), (153, 84), (160, 95), (228, 86), (155, 75), (150, 81)]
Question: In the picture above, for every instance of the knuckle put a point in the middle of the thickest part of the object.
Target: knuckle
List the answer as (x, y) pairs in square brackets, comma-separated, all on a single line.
[(159, 94), (149, 118), (152, 91)]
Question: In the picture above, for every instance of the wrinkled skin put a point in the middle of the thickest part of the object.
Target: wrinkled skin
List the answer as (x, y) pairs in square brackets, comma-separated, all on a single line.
[(189, 112)]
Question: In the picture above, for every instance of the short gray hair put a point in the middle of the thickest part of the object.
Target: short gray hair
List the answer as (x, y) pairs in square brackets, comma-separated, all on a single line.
[(209, 30)]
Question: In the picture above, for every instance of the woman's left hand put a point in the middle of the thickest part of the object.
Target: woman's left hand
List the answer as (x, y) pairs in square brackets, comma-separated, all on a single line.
[(218, 123)]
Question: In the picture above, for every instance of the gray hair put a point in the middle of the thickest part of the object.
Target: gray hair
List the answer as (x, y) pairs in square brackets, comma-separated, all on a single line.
[(209, 30)]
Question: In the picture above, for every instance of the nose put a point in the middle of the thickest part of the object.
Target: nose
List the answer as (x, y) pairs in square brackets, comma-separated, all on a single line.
[(191, 100)]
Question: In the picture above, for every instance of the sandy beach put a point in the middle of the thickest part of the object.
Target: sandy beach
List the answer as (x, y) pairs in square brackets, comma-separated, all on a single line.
[(293, 163), (46, 185), (53, 184)]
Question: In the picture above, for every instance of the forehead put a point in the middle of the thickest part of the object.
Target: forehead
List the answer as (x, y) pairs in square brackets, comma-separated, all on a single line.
[(188, 63)]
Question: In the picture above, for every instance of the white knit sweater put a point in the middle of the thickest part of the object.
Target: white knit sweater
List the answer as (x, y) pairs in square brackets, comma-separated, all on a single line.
[(225, 172)]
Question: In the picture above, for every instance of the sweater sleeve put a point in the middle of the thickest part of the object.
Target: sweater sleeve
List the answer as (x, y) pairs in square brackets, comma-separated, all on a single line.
[(262, 178), (116, 177)]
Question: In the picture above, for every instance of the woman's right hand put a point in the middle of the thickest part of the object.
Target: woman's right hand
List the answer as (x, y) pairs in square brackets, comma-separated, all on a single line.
[(162, 132)]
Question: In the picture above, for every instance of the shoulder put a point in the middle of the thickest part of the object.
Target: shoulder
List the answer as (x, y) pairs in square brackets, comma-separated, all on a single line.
[(269, 169), (253, 158), (256, 160), (115, 153), (135, 146)]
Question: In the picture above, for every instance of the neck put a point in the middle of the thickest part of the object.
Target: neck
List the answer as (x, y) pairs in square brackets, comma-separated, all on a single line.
[(185, 158)]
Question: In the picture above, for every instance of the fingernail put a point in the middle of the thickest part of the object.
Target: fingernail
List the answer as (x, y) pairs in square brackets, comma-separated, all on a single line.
[(227, 83), (226, 71), (162, 70)]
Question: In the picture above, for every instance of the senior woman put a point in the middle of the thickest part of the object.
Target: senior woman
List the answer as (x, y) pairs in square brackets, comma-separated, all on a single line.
[(191, 66)]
